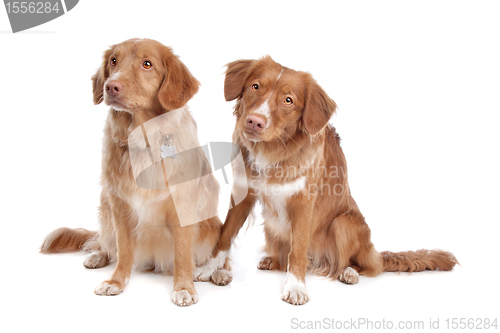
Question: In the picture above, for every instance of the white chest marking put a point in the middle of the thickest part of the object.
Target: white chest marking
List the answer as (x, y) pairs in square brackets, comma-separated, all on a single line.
[(275, 197), (259, 163), (275, 214)]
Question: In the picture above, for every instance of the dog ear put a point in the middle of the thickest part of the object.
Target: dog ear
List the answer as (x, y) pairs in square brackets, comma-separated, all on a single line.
[(101, 76), (179, 85), (318, 108), (236, 75)]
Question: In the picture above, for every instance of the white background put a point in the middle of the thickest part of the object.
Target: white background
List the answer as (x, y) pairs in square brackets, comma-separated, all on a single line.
[(417, 84)]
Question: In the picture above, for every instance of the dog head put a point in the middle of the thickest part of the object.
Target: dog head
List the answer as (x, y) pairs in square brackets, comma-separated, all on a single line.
[(143, 75), (275, 102)]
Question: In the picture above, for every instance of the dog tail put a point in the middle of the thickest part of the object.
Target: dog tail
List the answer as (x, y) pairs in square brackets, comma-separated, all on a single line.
[(68, 240), (417, 261)]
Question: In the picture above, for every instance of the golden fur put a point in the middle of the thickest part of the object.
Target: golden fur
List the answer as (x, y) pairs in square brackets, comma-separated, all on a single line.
[(137, 226), (314, 223)]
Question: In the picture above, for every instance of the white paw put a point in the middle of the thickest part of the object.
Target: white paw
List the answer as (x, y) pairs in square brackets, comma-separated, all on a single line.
[(203, 272), (108, 288), (295, 291), (95, 260), (349, 276), (222, 277), (267, 263), (184, 298)]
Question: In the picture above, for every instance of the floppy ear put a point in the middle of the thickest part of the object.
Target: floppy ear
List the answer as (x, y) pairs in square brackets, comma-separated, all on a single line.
[(236, 75), (178, 86), (101, 76), (318, 108)]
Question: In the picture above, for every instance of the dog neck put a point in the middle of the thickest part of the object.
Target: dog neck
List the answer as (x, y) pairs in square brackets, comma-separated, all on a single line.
[(299, 150), (158, 125)]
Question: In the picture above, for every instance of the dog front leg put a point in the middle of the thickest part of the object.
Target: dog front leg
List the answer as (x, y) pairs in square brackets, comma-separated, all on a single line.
[(217, 268), (121, 215), (184, 291), (300, 215)]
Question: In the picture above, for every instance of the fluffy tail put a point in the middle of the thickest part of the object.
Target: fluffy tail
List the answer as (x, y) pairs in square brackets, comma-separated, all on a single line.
[(67, 240), (417, 261)]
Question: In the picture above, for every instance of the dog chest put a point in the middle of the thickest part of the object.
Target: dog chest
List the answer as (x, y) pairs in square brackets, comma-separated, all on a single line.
[(274, 198), (149, 211)]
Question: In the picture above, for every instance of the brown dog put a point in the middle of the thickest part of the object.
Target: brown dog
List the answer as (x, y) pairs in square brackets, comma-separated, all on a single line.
[(143, 80), (296, 169)]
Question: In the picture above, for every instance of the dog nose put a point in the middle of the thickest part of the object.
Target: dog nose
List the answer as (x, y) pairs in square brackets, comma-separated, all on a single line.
[(255, 122), (114, 88)]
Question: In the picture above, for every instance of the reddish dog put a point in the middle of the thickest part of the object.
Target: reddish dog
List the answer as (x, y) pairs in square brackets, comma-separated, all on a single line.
[(293, 157), (142, 80)]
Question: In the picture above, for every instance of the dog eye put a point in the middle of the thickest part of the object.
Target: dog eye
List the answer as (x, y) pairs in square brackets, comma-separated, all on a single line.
[(113, 62), (147, 64), (255, 87), (288, 101)]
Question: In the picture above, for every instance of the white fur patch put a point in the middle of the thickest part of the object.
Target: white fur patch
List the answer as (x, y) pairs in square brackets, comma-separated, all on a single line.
[(184, 298), (222, 277), (349, 276), (276, 217), (275, 211), (278, 189), (287, 189), (264, 110), (295, 291), (274, 86), (145, 213), (203, 272), (94, 260), (259, 162), (107, 289), (113, 77)]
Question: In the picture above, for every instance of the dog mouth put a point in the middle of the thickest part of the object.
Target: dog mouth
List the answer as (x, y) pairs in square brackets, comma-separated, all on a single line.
[(117, 104), (251, 135)]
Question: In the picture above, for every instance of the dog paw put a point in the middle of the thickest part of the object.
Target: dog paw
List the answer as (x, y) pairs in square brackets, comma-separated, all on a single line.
[(95, 260), (222, 277), (295, 297), (295, 291), (108, 288), (203, 273), (267, 263), (184, 298), (349, 276)]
